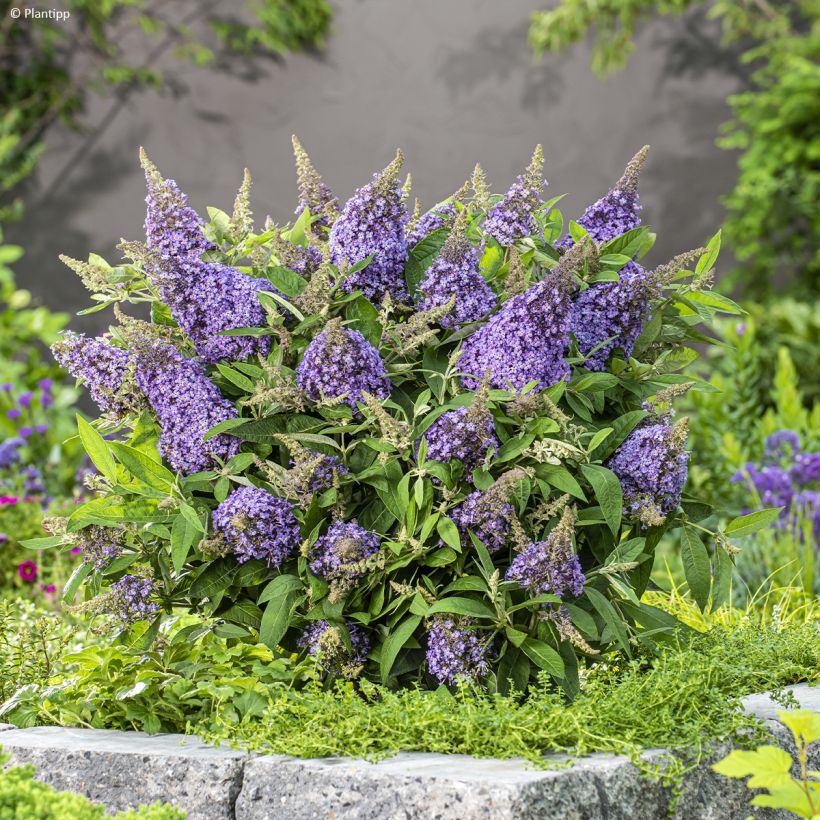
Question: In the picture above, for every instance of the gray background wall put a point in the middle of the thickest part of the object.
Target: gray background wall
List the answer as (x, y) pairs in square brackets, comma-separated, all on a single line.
[(450, 81)]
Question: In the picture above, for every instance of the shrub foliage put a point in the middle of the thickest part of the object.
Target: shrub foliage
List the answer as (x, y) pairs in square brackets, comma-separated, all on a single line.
[(422, 448)]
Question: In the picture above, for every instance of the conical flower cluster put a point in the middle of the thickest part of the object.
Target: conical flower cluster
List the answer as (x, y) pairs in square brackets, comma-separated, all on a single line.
[(466, 434), (525, 341), (341, 364), (314, 194), (187, 404), (454, 273), (456, 652), (103, 368), (256, 524), (550, 566), (652, 466), (372, 222), (514, 217), (204, 298), (618, 211)]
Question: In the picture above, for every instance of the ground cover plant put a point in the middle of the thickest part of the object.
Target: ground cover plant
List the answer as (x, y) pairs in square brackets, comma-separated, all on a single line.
[(229, 692), (428, 448)]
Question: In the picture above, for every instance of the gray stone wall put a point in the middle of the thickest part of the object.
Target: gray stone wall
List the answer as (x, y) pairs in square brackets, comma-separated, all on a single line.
[(450, 81)]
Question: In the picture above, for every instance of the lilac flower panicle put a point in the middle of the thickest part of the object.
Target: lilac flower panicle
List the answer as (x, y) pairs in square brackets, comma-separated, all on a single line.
[(326, 643), (618, 211), (187, 404), (550, 566), (132, 599), (456, 653), (514, 217), (454, 273), (339, 553), (173, 228), (488, 514), (372, 222), (315, 472), (466, 434), (256, 524), (526, 340), (431, 221), (341, 362), (612, 313), (652, 466), (206, 298), (103, 369)]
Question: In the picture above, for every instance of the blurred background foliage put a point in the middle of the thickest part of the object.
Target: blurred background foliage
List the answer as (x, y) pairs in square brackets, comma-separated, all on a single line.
[(48, 73), (111, 48), (773, 222)]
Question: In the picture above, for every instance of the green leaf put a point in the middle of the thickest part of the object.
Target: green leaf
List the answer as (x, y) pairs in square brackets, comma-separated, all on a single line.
[(73, 584), (696, 566), (394, 643), (768, 766), (276, 618), (362, 316), (421, 257), (608, 492), (610, 615), (449, 533), (97, 448), (279, 586), (462, 606), (753, 522), (216, 578), (560, 477), (621, 427), (598, 438), (43, 543), (183, 534), (236, 378), (144, 468), (285, 280), (707, 261), (543, 656), (245, 613)]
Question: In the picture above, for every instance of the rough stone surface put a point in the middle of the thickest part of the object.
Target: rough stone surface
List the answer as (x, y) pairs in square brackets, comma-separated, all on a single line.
[(5, 727), (124, 769)]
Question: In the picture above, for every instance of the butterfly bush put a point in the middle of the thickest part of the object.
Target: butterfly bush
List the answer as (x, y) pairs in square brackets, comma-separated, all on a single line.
[(424, 450)]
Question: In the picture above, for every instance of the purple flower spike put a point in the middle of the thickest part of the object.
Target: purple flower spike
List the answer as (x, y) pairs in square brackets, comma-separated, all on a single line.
[(256, 524), (102, 367), (339, 553), (525, 341), (456, 652), (550, 566), (187, 404), (372, 222), (326, 643), (131, 599), (652, 466), (454, 274), (618, 211), (341, 362), (514, 216), (173, 228)]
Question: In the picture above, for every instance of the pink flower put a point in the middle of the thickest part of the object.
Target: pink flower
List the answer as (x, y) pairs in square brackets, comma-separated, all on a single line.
[(8, 499), (50, 589), (27, 570), (76, 550)]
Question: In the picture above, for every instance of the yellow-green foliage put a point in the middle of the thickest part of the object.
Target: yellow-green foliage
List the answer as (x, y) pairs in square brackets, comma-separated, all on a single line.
[(769, 767)]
